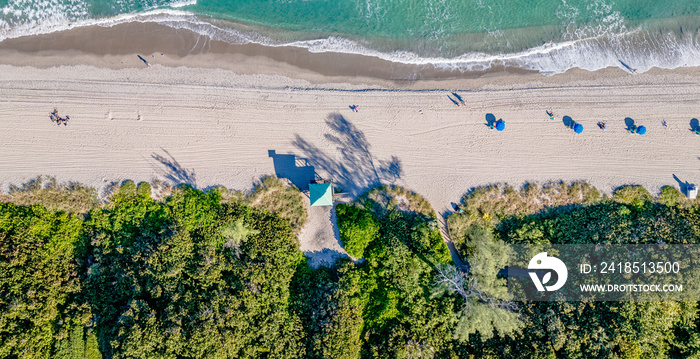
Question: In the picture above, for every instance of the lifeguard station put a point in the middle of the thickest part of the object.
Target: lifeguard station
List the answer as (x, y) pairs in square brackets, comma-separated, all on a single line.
[(321, 193), (691, 191)]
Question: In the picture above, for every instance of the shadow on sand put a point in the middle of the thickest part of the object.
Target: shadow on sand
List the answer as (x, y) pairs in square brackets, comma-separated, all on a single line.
[(325, 257), (568, 121), (682, 184), (296, 170), (629, 122), (694, 125), (490, 120), (353, 169), (172, 171)]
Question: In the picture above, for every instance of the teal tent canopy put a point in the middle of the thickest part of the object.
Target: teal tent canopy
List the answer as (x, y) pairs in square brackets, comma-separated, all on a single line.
[(321, 194), (578, 128), (641, 130)]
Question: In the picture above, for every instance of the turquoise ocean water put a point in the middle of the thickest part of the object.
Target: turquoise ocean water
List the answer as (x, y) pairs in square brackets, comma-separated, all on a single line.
[(549, 36)]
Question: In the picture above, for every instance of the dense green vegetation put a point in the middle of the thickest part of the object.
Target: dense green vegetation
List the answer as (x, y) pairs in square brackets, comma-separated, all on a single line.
[(385, 306), (579, 215), (219, 274), (42, 266), (358, 228), (191, 277)]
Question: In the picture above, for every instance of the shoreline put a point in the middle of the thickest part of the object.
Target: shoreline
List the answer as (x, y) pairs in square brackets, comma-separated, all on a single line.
[(116, 47), (110, 47), (552, 47)]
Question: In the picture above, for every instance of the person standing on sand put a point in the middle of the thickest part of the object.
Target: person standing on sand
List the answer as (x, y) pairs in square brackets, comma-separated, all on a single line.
[(664, 124)]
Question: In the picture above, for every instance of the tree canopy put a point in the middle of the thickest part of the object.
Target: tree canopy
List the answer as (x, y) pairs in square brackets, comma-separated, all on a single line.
[(217, 274)]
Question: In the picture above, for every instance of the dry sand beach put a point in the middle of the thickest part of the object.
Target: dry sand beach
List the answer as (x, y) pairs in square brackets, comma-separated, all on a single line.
[(185, 120)]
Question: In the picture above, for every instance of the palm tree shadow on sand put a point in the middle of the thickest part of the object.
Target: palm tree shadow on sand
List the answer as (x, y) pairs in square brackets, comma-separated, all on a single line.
[(171, 170), (354, 169)]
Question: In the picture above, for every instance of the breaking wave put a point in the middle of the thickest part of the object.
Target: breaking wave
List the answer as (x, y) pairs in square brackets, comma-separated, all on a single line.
[(608, 43)]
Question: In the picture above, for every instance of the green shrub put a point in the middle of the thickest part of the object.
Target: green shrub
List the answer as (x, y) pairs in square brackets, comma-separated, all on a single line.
[(637, 196), (42, 256), (357, 228), (45, 191), (670, 196), (127, 188), (144, 189)]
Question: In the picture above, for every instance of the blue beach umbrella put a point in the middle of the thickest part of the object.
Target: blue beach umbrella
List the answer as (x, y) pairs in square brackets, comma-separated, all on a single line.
[(500, 125), (641, 130), (578, 128)]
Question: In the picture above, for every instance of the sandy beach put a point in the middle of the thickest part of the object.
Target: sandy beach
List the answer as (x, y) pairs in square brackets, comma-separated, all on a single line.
[(187, 121)]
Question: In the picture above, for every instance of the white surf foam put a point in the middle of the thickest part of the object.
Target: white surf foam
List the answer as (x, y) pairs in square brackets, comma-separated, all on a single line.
[(29, 17), (178, 4), (639, 50)]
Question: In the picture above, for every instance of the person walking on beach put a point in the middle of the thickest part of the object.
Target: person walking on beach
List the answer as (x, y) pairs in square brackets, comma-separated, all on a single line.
[(459, 98), (602, 126), (664, 124), (144, 60), (550, 114), (354, 108)]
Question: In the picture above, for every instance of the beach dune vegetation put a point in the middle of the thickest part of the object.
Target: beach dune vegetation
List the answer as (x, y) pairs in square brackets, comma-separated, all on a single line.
[(637, 196), (671, 196), (48, 192), (208, 274), (276, 196)]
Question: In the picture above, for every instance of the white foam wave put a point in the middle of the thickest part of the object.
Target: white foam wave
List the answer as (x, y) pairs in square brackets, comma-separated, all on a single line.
[(31, 17), (178, 4), (25, 16), (640, 51), (636, 48)]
